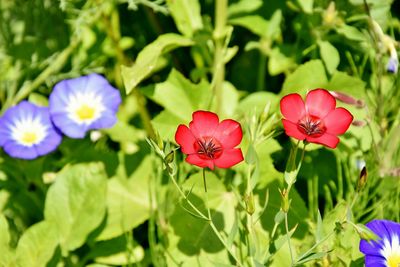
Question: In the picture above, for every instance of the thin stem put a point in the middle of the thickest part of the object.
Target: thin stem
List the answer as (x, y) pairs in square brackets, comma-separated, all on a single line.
[(209, 219), (206, 194), (219, 65), (288, 239)]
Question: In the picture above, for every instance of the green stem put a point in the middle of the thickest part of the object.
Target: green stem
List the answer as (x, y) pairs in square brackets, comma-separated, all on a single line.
[(54, 67), (288, 239), (262, 67), (113, 31), (219, 65)]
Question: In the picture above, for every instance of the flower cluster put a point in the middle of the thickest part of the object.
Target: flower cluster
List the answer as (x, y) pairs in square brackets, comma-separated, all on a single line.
[(75, 107)]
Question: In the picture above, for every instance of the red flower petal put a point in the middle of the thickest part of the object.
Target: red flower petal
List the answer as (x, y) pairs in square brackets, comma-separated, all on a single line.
[(292, 130), (338, 121), (185, 139), (229, 158), (196, 160), (325, 139), (319, 102), (229, 133), (292, 107), (204, 123)]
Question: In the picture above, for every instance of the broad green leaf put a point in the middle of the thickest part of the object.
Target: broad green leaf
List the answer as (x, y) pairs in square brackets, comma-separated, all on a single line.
[(243, 6), (180, 96), (256, 102), (254, 23), (192, 241), (186, 14), (329, 55), (306, 5), (6, 255), (351, 33), (166, 124), (306, 77), (37, 245), (230, 99), (117, 251), (128, 201), (274, 25), (147, 59), (342, 82), (76, 203)]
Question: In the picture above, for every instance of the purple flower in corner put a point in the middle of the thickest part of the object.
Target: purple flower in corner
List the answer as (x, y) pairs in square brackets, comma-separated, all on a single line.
[(384, 252), (82, 104), (26, 131)]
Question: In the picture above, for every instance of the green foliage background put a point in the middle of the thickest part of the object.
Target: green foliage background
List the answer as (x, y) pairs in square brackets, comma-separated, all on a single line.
[(109, 200)]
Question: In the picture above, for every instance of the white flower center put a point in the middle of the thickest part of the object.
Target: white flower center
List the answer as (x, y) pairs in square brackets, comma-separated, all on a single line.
[(84, 107), (28, 131), (391, 251)]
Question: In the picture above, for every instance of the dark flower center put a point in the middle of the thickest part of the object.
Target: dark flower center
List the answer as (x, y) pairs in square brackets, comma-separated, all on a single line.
[(208, 148), (311, 126)]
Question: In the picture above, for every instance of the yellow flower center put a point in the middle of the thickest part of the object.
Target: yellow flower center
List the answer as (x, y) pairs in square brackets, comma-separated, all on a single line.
[(30, 138), (85, 112), (394, 259)]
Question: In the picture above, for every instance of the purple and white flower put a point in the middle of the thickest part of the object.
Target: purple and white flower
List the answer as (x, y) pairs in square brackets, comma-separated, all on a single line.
[(384, 252), (27, 132), (82, 104)]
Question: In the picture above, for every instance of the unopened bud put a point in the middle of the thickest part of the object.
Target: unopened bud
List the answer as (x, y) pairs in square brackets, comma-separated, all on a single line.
[(249, 200), (365, 233), (358, 123), (285, 203), (363, 179), (345, 98), (170, 157)]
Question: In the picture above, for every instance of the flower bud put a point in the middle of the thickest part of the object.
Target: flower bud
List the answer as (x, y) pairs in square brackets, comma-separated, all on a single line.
[(249, 200), (363, 179), (169, 157), (285, 204), (365, 233)]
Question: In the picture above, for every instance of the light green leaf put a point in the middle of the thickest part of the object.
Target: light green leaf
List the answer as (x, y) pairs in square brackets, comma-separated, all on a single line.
[(186, 14), (180, 96), (147, 59), (306, 5), (76, 203), (351, 33), (6, 254), (329, 55), (279, 62), (37, 245), (254, 23), (308, 76), (243, 6), (342, 82), (128, 203)]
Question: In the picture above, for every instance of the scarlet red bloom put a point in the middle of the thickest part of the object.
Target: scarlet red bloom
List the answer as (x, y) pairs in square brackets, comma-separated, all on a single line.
[(317, 120), (208, 142)]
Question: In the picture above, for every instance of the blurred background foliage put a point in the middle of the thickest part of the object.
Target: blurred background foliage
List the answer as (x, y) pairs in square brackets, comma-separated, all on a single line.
[(107, 200)]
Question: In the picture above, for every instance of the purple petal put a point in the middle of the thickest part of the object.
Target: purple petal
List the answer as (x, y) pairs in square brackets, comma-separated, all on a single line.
[(375, 261)]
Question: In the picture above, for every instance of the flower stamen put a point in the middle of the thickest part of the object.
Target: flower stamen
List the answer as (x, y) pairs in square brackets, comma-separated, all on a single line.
[(311, 126), (208, 147)]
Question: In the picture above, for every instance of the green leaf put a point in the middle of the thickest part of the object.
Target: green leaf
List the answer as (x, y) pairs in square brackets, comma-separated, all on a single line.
[(311, 257), (116, 251), (308, 76), (351, 33), (147, 59), (244, 6), (329, 55), (6, 254), (76, 203), (254, 23), (186, 14), (342, 82), (128, 201), (37, 245), (306, 5), (179, 95)]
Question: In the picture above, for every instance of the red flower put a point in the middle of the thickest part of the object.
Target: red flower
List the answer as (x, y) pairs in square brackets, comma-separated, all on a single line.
[(208, 142), (317, 121)]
